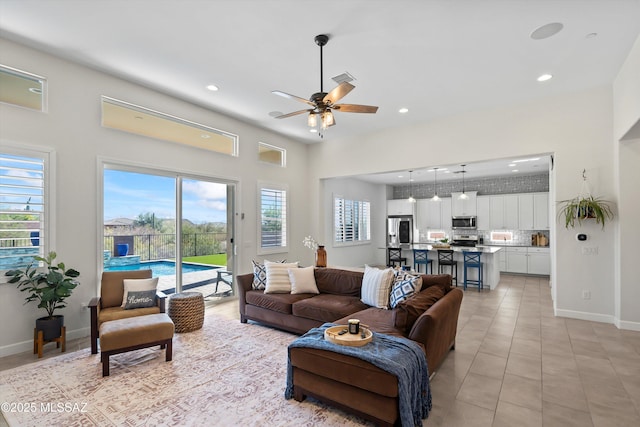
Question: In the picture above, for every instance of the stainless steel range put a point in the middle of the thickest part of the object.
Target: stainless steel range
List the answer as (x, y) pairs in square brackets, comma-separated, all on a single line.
[(466, 240)]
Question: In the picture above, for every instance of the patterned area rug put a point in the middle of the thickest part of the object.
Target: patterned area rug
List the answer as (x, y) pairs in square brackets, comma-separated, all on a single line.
[(225, 374)]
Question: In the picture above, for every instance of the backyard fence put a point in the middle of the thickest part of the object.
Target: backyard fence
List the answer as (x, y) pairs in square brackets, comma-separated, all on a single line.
[(163, 246)]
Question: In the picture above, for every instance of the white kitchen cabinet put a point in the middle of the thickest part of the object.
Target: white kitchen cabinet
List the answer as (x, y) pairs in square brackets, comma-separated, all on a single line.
[(541, 211), (511, 212), (483, 204), (516, 260), (539, 261), (464, 207), (399, 207), (502, 260), (445, 211), (525, 211), (496, 212)]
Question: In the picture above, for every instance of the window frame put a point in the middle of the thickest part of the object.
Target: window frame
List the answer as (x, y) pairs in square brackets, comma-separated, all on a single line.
[(48, 156), (365, 222), (282, 151), (266, 250)]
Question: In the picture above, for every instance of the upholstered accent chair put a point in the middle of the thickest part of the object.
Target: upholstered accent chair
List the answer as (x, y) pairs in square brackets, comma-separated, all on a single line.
[(107, 306)]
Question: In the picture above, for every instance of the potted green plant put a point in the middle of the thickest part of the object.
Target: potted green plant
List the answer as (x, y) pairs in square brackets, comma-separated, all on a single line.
[(49, 288), (585, 206)]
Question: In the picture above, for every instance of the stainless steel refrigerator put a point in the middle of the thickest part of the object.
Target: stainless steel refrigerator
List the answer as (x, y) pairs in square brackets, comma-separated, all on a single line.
[(399, 230)]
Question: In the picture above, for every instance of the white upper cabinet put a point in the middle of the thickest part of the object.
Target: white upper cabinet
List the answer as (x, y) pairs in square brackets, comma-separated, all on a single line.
[(525, 212), (511, 212), (503, 212), (433, 215), (541, 211), (445, 206), (496, 210), (464, 207), (399, 207), (483, 204)]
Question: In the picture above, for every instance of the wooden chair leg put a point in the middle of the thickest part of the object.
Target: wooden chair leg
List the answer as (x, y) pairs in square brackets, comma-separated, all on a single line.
[(169, 351)]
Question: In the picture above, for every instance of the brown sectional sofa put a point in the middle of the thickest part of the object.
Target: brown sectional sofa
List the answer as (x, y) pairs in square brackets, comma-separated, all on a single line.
[(429, 318)]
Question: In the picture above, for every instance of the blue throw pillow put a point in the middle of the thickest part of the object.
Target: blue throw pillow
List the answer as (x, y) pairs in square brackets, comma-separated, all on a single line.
[(140, 299), (404, 286)]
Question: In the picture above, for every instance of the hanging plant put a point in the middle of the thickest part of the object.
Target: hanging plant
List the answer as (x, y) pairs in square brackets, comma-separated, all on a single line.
[(585, 206)]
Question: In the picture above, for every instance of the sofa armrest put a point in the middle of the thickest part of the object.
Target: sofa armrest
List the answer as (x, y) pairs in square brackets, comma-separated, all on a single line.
[(436, 328), (245, 282), (162, 298)]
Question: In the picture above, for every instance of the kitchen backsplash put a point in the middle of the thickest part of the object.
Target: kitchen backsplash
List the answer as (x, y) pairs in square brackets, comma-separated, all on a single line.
[(494, 185), (520, 237)]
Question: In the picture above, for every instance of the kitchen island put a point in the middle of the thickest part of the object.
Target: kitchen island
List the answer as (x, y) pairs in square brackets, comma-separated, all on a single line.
[(490, 262)]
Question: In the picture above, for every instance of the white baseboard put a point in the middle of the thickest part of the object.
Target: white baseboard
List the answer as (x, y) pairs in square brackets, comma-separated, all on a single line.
[(583, 315), (625, 324), (24, 346)]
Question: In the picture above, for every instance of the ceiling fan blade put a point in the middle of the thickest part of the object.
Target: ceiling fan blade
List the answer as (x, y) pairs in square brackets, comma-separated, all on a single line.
[(338, 92), (354, 108), (295, 113), (295, 98)]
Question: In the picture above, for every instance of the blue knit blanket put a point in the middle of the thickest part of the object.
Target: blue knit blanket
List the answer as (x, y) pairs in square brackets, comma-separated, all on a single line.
[(398, 356)]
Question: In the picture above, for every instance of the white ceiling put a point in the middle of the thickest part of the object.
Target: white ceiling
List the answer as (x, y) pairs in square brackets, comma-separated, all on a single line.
[(436, 58)]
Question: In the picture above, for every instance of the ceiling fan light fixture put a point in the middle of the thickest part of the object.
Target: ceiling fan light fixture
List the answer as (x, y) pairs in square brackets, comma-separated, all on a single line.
[(327, 119), (312, 120)]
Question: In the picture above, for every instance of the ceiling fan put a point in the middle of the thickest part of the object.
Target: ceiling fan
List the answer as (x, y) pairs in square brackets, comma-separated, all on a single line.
[(322, 103)]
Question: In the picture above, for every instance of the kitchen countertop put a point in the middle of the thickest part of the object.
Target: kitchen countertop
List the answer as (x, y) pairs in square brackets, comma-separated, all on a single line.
[(484, 248)]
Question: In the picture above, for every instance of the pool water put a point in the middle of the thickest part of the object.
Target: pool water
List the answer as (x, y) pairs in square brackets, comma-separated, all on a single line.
[(162, 268)]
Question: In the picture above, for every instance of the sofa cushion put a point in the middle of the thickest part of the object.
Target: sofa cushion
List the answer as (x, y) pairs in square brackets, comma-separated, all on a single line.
[(407, 312), (280, 303), (338, 282), (327, 307), (376, 319), (441, 280), (303, 281), (376, 286)]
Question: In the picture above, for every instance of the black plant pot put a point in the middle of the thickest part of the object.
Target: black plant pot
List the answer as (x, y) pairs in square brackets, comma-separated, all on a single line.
[(51, 327)]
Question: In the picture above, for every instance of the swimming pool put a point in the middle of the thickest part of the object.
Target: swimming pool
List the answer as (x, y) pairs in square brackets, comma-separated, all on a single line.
[(162, 268)]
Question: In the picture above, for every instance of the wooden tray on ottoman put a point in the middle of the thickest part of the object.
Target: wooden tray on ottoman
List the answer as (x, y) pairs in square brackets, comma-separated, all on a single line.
[(353, 340)]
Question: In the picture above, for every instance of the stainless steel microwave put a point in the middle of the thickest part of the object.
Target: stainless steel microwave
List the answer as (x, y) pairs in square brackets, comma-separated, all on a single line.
[(463, 223)]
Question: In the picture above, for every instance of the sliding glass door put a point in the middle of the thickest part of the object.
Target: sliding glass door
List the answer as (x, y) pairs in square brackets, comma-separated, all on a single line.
[(177, 226)]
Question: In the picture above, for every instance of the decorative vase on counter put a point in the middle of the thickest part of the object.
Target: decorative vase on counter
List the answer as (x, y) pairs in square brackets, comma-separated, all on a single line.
[(321, 257)]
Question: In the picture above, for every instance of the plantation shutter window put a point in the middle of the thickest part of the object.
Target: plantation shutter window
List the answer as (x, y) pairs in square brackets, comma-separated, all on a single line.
[(351, 220), (273, 219), (22, 209)]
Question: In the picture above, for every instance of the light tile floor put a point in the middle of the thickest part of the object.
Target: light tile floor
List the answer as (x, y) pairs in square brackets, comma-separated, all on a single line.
[(516, 364)]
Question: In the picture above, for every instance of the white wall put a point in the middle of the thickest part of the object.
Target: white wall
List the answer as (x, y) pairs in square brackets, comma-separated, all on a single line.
[(576, 128), (626, 146), (72, 128), (372, 253)]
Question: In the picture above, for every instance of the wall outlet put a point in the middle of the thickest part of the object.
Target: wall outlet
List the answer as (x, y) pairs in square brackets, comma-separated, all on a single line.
[(586, 294), (590, 250)]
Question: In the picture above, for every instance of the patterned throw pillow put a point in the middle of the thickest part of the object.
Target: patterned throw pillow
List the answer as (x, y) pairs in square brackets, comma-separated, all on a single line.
[(404, 286), (259, 276), (140, 299), (376, 286)]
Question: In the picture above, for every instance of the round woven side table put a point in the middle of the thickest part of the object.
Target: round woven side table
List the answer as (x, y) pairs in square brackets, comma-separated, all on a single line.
[(186, 309)]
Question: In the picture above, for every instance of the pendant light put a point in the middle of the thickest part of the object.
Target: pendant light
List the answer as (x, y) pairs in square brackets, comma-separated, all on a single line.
[(411, 199), (435, 197), (463, 195)]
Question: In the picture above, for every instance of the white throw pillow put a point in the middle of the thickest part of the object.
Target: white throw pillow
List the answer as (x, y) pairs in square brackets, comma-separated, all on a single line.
[(136, 285), (376, 286), (303, 281), (278, 277)]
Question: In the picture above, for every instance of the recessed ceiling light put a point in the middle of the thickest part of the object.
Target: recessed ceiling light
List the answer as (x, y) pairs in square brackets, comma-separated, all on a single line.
[(403, 110), (313, 130), (544, 77), (512, 165), (213, 88), (400, 176), (546, 31), (514, 170)]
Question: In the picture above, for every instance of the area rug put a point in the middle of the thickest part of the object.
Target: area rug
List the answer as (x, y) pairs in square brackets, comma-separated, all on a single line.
[(225, 374)]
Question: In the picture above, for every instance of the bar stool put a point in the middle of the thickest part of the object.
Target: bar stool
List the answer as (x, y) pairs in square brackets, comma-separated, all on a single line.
[(472, 260), (394, 255), (445, 258), (421, 257)]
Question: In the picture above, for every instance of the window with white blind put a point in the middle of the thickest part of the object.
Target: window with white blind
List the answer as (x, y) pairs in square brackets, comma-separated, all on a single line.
[(352, 221), (23, 207), (272, 227)]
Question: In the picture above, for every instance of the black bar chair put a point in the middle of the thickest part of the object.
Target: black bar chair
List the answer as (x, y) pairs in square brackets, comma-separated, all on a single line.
[(394, 255), (421, 257), (445, 259)]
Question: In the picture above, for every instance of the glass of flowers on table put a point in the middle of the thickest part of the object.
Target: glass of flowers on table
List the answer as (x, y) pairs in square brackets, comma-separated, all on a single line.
[(321, 253)]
